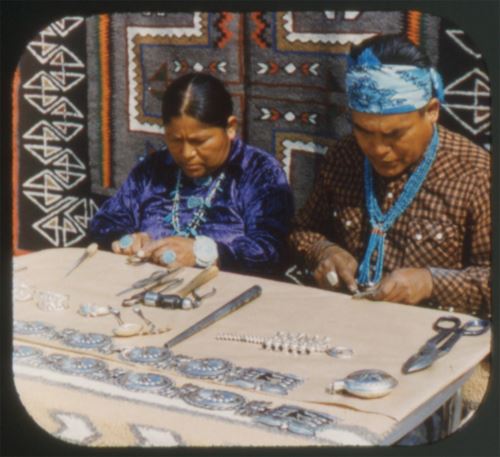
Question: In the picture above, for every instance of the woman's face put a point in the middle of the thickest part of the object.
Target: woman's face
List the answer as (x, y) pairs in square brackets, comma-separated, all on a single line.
[(198, 148)]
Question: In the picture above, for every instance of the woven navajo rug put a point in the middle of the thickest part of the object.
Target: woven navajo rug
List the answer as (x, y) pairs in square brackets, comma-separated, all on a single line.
[(87, 97)]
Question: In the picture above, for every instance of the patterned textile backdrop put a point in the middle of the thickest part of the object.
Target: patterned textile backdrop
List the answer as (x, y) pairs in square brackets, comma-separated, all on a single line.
[(87, 97)]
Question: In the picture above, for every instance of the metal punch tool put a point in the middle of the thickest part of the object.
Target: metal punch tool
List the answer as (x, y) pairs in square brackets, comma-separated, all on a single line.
[(152, 297), (157, 277)]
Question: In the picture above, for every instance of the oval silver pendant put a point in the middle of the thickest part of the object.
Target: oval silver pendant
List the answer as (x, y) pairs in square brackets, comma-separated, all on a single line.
[(205, 368), (369, 383), (145, 381), (213, 399), (31, 328), (25, 352), (147, 355), (87, 340), (79, 365)]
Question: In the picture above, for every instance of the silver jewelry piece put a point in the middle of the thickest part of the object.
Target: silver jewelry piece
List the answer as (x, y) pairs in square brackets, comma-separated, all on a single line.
[(33, 328), (146, 382), (21, 352), (340, 352), (137, 310), (365, 384), (211, 398), (87, 340), (332, 278), (126, 241), (52, 301), (254, 408), (77, 365), (205, 368), (299, 343), (264, 380), (147, 355), (22, 292), (297, 420), (90, 310), (168, 256)]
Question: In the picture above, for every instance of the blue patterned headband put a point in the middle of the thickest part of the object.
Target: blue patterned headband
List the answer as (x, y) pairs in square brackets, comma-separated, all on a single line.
[(373, 87)]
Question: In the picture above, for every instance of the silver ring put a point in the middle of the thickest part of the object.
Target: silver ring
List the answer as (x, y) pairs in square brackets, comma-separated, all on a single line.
[(126, 241), (332, 278), (168, 256)]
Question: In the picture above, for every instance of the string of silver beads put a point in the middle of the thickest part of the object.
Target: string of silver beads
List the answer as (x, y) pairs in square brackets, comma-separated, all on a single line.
[(293, 343)]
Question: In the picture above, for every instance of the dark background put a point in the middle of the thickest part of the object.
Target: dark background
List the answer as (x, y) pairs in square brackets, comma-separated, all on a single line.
[(22, 20)]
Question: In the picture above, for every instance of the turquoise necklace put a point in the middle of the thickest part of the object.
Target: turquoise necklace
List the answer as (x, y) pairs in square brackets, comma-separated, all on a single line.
[(381, 223), (202, 203)]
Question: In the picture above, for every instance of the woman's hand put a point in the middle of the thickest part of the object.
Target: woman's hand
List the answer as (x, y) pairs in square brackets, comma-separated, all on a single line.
[(343, 265), (133, 242), (172, 251)]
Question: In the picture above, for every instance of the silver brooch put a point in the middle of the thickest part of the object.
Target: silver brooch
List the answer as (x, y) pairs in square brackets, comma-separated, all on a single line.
[(205, 368), (365, 384), (210, 398), (297, 420)]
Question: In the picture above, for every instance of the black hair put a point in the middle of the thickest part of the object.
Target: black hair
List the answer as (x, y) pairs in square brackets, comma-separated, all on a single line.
[(393, 50), (199, 95)]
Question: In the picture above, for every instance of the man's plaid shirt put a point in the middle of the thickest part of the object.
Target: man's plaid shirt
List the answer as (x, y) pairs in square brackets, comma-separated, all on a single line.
[(447, 228)]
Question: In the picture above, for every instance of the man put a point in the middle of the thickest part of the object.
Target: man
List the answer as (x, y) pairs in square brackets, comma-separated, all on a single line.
[(402, 206)]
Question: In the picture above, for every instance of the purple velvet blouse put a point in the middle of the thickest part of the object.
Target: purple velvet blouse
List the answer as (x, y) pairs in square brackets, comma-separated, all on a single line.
[(249, 217)]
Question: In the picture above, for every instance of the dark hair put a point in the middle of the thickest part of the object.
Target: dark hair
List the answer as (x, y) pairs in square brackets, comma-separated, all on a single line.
[(200, 96), (393, 50)]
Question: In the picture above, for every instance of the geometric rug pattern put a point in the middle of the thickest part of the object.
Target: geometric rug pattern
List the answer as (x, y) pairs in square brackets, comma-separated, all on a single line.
[(87, 97)]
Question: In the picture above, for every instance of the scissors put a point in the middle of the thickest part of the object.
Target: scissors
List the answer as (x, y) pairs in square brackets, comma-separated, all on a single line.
[(155, 277), (448, 328)]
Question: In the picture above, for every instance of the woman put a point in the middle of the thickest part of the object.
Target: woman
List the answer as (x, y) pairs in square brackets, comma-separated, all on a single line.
[(207, 197)]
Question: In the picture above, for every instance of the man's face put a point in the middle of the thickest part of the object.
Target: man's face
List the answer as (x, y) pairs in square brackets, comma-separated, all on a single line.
[(393, 142)]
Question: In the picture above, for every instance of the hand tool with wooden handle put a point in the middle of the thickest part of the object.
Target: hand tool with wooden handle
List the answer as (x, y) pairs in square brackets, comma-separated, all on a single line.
[(90, 250), (201, 278)]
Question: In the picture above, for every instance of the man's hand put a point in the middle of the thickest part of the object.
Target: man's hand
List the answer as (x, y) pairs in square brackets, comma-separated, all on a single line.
[(334, 258), (182, 249), (139, 239), (405, 285)]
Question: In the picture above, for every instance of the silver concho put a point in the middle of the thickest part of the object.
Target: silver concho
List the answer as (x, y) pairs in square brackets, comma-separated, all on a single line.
[(365, 384), (205, 368), (146, 355), (87, 340), (25, 352), (32, 328), (146, 382), (264, 380), (210, 398), (78, 365), (296, 420)]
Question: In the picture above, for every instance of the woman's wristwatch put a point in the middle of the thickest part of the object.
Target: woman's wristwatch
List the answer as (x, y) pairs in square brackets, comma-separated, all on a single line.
[(205, 251)]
